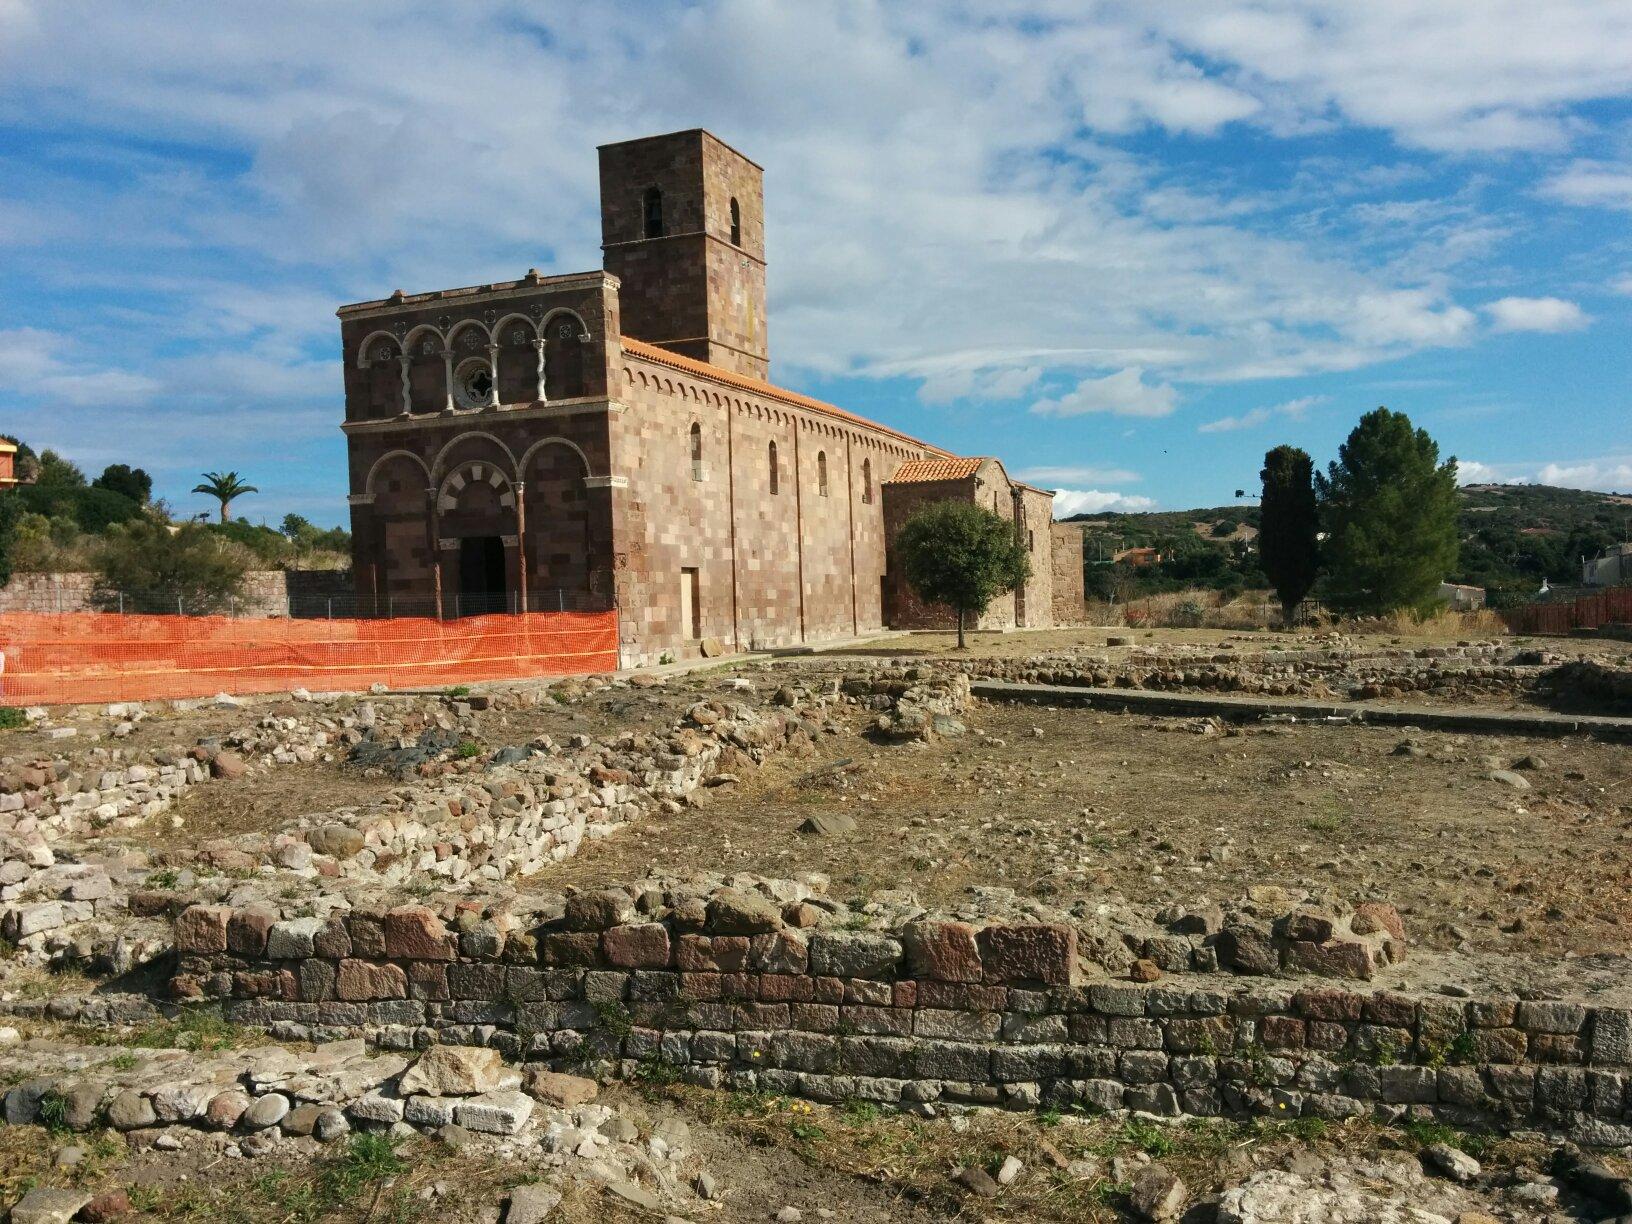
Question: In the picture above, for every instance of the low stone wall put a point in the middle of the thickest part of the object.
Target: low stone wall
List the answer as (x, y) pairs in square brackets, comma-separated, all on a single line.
[(737, 989), (266, 593)]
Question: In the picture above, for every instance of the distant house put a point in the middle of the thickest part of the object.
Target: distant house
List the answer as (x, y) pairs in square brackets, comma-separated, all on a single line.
[(1614, 568), (8, 465), (1139, 556), (1462, 598)]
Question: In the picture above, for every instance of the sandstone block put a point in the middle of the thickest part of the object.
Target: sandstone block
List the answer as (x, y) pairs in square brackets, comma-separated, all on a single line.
[(495, 1113), (360, 980), (942, 951), (202, 929), (1039, 952), (853, 954), (413, 932), (642, 946)]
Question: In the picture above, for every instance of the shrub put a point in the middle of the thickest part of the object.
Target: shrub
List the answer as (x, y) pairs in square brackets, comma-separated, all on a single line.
[(160, 568)]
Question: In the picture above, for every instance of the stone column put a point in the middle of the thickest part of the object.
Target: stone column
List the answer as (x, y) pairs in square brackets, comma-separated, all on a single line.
[(447, 380), (405, 362), (539, 345), (493, 374)]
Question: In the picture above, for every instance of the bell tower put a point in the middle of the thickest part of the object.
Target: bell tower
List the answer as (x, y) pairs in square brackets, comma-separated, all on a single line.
[(683, 230)]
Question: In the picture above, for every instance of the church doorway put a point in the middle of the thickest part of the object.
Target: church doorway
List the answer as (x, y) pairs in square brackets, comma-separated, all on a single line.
[(483, 584)]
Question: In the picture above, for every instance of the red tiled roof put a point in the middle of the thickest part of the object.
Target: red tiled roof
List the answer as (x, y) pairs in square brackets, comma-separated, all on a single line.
[(690, 365), (921, 471)]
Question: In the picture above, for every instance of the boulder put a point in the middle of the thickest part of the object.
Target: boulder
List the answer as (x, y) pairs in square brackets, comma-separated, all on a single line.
[(447, 1070)]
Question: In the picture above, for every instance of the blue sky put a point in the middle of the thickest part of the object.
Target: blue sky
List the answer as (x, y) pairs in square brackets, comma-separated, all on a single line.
[(1126, 246)]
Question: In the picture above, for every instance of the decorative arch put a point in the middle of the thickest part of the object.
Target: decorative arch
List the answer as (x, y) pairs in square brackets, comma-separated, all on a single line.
[(556, 440), (518, 360), (480, 471), (556, 312), (363, 360), (428, 374), (565, 341), (471, 436), (368, 481)]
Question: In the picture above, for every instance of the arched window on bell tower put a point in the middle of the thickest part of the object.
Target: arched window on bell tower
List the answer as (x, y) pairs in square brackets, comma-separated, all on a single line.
[(652, 211), (696, 451), (776, 472), (736, 223)]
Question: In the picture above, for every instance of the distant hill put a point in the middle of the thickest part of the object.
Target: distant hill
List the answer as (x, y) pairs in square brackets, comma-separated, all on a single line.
[(1513, 536)]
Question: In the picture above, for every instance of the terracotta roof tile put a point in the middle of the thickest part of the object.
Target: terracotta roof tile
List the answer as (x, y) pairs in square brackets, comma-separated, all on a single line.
[(703, 369), (920, 471)]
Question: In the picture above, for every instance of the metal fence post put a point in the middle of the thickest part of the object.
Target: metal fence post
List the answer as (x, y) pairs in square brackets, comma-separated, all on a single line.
[(179, 610)]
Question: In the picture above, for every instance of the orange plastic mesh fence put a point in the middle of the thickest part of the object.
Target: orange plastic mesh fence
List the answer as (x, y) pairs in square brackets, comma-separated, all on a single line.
[(96, 656)]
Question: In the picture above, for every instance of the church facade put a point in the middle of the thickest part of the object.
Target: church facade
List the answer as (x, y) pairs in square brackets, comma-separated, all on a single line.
[(612, 438)]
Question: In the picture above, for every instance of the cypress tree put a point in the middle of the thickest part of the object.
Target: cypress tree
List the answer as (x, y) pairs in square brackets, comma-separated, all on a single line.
[(1288, 548)]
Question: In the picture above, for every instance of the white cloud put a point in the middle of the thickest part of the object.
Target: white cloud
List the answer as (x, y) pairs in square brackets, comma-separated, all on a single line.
[(1093, 501), (1592, 184), (1540, 314), (1294, 409), (1124, 393), (1074, 475), (1608, 474), (1612, 475), (1622, 284)]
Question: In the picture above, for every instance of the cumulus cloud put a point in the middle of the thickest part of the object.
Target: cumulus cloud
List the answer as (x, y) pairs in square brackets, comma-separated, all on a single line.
[(1294, 409), (1612, 475), (1609, 474), (1592, 184), (974, 213), (1078, 475), (1538, 314), (1094, 501), (1622, 284), (1125, 393)]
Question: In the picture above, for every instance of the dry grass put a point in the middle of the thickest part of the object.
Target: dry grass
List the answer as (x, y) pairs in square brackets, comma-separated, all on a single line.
[(1444, 624), (1197, 608), (915, 1159)]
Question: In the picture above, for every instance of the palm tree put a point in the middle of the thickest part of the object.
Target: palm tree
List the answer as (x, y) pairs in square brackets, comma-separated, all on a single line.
[(224, 487)]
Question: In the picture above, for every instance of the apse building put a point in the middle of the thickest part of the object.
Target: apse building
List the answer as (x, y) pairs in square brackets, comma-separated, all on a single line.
[(612, 439)]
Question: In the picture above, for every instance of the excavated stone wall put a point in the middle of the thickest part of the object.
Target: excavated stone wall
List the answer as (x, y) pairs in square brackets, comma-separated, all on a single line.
[(733, 990)]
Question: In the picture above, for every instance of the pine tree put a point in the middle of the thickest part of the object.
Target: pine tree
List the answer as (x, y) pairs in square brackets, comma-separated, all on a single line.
[(1288, 530), (1389, 508)]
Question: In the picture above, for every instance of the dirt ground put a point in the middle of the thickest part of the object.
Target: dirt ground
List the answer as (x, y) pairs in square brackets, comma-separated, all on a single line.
[(1074, 804), (1026, 643)]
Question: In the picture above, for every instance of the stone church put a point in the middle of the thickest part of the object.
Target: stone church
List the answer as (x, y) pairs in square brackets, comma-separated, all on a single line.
[(613, 438)]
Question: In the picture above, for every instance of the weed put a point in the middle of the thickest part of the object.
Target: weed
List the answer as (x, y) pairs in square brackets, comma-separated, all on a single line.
[(614, 1018), (11, 718), (1049, 1117), (1149, 1138), (459, 690), (196, 1028), (54, 1112), (122, 1061), (1464, 1049), (806, 1132), (861, 1111), (1426, 1133), (1385, 1053), (468, 749), (658, 1072), (165, 878)]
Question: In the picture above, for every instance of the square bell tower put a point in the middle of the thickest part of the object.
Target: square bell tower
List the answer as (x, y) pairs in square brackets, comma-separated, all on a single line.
[(683, 230)]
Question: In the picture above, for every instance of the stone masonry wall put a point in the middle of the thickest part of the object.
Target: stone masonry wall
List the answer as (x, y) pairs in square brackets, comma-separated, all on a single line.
[(733, 990), (1065, 549)]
